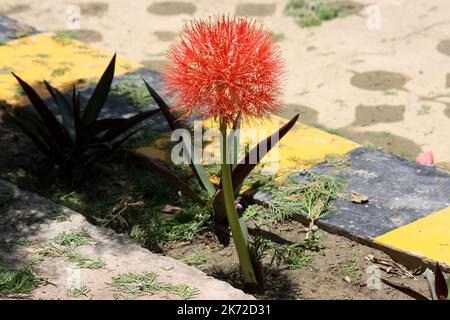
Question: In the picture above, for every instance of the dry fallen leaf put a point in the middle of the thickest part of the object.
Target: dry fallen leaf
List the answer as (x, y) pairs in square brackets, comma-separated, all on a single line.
[(358, 198), (169, 209)]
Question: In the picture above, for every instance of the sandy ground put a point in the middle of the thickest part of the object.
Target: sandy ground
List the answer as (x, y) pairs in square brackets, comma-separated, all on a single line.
[(386, 85)]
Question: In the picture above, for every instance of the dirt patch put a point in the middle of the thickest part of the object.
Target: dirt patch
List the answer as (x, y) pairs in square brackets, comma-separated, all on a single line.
[(16, 8), (157, 65), (447, 111), (170, 8), (255, 9), (87, 35), (444, 47), (94, 9), (350, 7), (307, 115), (337, 270), (387, 141), (379, 80), (369, 115), (165, 35)]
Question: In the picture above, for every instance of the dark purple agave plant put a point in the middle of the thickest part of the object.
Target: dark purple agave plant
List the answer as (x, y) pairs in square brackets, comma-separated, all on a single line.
[(80, 137)]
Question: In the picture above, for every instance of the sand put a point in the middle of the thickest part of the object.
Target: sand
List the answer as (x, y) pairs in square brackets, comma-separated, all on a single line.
[(387, 86)]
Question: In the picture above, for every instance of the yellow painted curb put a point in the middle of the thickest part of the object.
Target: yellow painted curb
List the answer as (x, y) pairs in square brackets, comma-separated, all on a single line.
[(65, 62), (61, 62), (428, 237), (300, 148)]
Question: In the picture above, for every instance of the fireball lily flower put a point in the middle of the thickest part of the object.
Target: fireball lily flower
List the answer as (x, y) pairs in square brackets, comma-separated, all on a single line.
[(227, 68)]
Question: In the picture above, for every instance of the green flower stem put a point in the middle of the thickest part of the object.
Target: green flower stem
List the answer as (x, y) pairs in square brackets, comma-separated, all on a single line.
[(233, 219)]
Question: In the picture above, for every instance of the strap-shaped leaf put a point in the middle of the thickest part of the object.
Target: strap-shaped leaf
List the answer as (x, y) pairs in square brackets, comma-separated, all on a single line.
[(159, 167), (441, 288), (406, 290), (49, 119), (244, 167), (100, 94), (171, 121), (197, 169), (128, 124), (431, 282), (65, 110)]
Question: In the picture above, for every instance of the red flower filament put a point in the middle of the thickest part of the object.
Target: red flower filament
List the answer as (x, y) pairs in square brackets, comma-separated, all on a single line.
[(223, 67)]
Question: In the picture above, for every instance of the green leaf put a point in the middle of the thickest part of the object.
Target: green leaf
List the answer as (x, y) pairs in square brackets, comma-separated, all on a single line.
[(65, 109), (100, 94), (429, 276), (243, 168), (244, 229)]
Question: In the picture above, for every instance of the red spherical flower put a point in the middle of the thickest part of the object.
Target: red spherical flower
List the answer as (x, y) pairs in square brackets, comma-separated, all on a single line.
[(222, 67)]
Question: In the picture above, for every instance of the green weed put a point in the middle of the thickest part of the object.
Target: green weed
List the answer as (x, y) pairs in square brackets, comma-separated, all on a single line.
[(196, 260), (20, 280), (135, 285), (83, 290), (73, 239)]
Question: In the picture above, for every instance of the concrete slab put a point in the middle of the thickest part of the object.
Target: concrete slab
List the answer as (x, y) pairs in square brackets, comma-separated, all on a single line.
[(399, 192), (34, 220)]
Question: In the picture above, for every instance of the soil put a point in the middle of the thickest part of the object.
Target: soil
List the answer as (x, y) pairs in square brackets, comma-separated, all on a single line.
[(321, 279)]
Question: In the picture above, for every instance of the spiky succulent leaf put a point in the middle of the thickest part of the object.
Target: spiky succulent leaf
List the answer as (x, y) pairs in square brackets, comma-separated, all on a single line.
[(127, 124), (53, 126), (65, 110), (100, 94)]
